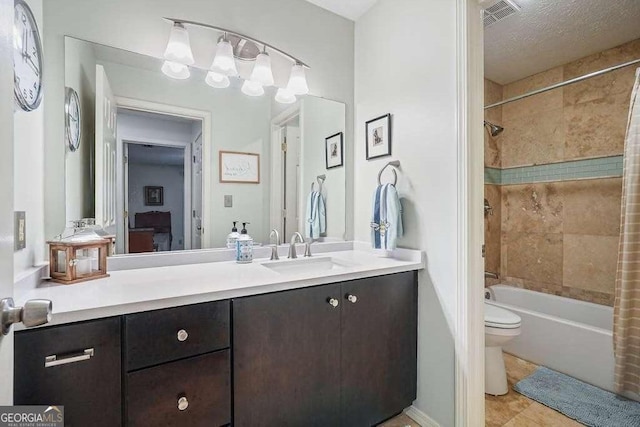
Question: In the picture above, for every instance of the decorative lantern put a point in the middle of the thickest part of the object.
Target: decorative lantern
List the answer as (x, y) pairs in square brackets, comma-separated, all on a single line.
[(78, 260)]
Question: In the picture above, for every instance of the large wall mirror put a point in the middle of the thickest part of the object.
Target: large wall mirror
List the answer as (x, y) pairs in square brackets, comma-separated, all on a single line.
[(170, 164)]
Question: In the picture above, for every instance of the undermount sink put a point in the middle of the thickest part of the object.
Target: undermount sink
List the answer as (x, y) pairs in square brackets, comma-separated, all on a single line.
[(305, 265)]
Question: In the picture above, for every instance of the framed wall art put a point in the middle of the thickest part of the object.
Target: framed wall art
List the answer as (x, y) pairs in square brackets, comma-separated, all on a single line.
[(334, 150), (240, 168), (153, 196), (379, 137)]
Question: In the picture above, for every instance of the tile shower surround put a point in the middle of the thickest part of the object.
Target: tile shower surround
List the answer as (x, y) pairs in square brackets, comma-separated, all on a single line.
[(553, 178)]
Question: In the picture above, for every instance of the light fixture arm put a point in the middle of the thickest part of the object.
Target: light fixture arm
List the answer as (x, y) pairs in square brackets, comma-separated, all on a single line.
[(242, 36)]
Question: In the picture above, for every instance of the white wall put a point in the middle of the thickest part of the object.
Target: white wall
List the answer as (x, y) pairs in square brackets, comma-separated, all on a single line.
[(321, 118), (419, 90), (28, 156), (80, 74), (318, 37), (169, 177)]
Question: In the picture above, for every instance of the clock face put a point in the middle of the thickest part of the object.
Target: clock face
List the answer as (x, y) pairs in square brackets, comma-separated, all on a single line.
[(27, 58), (73, 120)]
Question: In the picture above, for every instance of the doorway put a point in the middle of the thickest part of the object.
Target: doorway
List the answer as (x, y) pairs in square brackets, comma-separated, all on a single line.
[(161, 190)]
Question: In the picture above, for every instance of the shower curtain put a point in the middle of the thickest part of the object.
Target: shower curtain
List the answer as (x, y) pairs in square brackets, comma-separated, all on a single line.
[(626, 317)]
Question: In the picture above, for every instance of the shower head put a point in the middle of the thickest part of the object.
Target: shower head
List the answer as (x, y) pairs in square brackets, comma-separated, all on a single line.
[(494, 130)]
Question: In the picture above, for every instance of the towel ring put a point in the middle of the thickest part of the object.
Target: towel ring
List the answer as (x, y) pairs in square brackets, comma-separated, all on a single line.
[(395, 164)]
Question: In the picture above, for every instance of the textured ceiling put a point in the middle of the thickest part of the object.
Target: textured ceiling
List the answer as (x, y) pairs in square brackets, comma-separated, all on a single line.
[(350, 9), (549, 33)]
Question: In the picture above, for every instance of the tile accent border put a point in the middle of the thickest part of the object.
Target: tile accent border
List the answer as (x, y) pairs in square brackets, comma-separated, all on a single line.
[(601, 167)]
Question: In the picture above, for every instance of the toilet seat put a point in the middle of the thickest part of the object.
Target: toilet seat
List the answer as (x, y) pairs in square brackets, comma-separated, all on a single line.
[(500, 318)]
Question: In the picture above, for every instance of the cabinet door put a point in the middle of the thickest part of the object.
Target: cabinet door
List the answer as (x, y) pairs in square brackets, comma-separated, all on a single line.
[(84, 377), (379, 348), (286, 358)]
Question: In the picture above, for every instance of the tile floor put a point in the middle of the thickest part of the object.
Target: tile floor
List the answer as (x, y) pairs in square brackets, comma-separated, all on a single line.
[(516, 410), (400, 421)]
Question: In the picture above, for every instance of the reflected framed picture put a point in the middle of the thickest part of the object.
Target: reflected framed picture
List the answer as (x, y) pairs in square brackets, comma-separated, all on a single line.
[(334, 150), (379, 137), (239, 168), (153, 196)]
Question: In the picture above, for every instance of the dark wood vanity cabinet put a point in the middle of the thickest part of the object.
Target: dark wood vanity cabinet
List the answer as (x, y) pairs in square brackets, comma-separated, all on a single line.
[(77, 366), (300, 360), (177, 364)]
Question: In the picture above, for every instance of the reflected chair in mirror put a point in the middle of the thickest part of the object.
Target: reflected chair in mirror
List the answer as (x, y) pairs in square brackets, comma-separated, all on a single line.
[(156, 225)]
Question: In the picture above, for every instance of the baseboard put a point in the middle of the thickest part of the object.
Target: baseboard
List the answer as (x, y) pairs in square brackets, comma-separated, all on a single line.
[(420, 417)]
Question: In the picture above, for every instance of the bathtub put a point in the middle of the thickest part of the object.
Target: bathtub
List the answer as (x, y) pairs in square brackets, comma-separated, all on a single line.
[(570, 336)]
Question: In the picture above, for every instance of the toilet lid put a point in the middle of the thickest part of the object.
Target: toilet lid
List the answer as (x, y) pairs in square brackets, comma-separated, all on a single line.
[(498, 317)]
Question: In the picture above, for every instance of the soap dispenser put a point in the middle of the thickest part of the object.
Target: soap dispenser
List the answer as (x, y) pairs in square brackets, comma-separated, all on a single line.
[(244, 246), (233, 236)]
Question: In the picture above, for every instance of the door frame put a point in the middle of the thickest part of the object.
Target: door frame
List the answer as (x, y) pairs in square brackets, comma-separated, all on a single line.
[(207, 152), (277, 123), (469, 331), (186, 146), (6, 190)]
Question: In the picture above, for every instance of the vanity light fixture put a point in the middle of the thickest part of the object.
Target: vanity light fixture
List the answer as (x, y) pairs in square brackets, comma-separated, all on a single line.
[(252, 88), (224, 62), (262, 70), (298, 80), (176, 70), (217, 80), (233, 46), (285, 96), (178, 48)]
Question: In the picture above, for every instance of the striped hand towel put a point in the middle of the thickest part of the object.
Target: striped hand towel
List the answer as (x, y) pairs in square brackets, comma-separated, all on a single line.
[(386, 221)]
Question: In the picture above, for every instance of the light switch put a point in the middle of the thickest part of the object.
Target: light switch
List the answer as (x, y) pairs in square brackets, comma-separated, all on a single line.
[(228, 201), (20, 230)]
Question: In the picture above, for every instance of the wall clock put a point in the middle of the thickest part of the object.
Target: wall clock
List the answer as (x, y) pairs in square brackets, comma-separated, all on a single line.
[(27, 58), (72, 119)]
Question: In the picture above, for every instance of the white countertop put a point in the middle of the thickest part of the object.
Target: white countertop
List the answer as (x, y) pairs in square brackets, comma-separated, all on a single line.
[(142, 289)]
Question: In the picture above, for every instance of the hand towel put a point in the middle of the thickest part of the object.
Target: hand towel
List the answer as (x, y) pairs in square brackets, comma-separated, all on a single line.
[(386, 219), (316, 218)]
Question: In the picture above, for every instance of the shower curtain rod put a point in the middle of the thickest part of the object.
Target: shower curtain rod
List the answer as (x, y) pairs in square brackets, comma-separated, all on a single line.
[(568, 82)]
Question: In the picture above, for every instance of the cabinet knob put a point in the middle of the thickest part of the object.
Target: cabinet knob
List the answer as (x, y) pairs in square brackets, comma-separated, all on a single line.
[(333, 302), (183, 403), (182, 335), (352, 298)]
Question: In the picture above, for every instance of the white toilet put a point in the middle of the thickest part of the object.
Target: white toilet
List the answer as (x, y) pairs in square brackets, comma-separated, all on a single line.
[(500, 327)]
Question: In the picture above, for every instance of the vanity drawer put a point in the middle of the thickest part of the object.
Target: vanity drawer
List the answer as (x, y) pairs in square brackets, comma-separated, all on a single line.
[(191, 392), (77, 366), (160, 336)]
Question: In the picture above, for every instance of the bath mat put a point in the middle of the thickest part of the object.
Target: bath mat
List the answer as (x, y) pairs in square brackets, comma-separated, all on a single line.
[(580, 401)]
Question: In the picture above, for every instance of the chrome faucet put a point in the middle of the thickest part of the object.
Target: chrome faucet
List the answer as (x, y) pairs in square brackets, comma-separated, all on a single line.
[(292, 244), (274, 248), (307, 248), (490, 275)]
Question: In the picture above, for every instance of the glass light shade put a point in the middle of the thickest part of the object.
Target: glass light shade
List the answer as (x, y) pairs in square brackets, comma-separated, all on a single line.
[(175, 70), (178, 47), (262, 70), (285, 96), (298, 81), (217, 80), (252, 88), (224, 62)]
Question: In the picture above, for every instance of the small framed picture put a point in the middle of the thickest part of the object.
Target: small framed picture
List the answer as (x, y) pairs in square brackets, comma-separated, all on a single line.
[(153, 196), (239, 168), (379, 137), (334, 156)]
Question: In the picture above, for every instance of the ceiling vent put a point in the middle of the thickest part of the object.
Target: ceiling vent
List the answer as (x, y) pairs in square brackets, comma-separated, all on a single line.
[(499, 11)]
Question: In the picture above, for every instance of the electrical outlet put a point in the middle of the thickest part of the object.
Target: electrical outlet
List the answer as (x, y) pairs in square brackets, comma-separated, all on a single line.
[(20, 230), (228, 201)]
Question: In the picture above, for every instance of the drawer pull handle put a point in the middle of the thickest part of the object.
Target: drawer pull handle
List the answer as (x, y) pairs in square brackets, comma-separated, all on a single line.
[(333, 302), (183, 403), (182, 335), (352, 298), (51, 361)]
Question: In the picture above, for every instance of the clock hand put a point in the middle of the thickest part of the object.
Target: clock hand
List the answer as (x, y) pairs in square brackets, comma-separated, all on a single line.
[(33, 65)]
